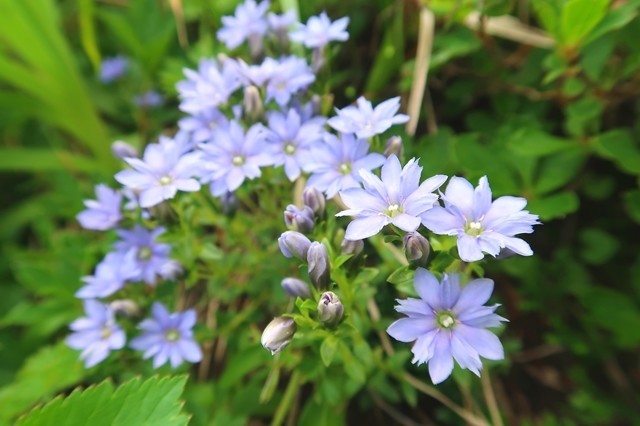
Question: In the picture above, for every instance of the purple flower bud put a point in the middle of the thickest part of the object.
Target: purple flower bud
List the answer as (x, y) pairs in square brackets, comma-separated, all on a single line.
[(252, 102), (394, 147), (319, 268), (229, 203), (330, 309), (278, 334), (300, 220), (122, 150), (296, 288), (293, 243), (353, 247), (314, 199), (416, 248)]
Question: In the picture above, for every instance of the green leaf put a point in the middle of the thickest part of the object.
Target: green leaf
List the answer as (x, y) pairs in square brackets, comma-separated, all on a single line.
[(155, 401), (52, 369), (328, 350), (38, 160), (554, 206), (557, 170), (632, 204), (537, 143), (458, 42), (619, 146), (548, 12), (598, 246), (616, 18), (579, 17)]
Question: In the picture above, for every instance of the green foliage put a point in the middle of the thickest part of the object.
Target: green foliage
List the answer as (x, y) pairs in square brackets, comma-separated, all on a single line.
[(136, 402)]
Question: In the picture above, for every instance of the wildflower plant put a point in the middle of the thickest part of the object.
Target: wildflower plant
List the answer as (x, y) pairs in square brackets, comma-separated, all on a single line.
[(324, 201)]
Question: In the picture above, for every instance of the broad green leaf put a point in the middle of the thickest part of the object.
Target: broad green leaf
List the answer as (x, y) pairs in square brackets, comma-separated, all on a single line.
[(328, 349), (579, 17), (51, 370), (632, 204), (616, 18), (619, 146), (598, 246), (548, 12), (554, 206), (155, 401), (558, 169), (456, 43), (537, 143)]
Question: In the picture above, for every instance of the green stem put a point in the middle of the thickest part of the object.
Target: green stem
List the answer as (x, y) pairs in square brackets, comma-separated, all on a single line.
[(287, 399)]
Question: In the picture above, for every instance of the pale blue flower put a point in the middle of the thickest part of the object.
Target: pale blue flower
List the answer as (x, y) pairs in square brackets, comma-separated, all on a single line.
[(447, 323), (292, 139), (398, 198), (233, 156), (168, 337), (319, 31), (279, 24), (255, 75), (110, 275), (209, 87), (334, 164), (366, 121), (96, 334), (202, 125), (151, 257), (113, 68), (247, 23), (104, 212), (288, 77), (161, 173), (481, 226), (149, 99)]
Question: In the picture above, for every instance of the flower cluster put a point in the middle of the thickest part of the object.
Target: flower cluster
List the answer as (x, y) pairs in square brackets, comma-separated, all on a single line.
[(257, 110)]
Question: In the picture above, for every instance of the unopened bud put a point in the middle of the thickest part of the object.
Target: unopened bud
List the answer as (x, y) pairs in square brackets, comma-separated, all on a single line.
[(252, 102), (330, 308), (293, 243), (319, 268), (394, 146), (296, 288), (416, 248), (229, 203), (353, 247), (125, 307), (318, 58), (122, 150), (314, 199), (300, 220), (278, 334)]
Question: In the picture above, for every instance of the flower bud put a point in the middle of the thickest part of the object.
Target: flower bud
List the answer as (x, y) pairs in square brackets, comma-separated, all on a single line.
[(319, 268), (394, 146), (122, 150), (416, 248), (252, 102), (330, 308), (300, 220), (293, 243), (353, 247), (296, 288), (314, 199), (229, 203), (125, 307), (278, 334)]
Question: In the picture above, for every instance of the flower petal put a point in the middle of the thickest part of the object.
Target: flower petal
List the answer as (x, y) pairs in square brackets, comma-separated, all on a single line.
[(427, 287), (468, 248), (441, 364), (485, 342), (409, 329), (365, 227), (474, 294)]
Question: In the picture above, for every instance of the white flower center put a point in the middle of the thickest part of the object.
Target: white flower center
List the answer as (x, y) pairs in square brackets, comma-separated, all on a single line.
[(105, 333), (165, 180), (237, 160), (345, 168), (145, 253), (172, 335), (289, 149), (393, 210), (445, 320), (474, 228)]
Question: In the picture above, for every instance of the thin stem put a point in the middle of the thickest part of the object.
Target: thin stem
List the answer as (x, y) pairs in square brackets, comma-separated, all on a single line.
[(287, 399), (490, 398)]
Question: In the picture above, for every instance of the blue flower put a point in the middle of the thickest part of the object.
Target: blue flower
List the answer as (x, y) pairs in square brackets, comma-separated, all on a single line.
[(447, 323), (279, 24), (209, 87), (233, 156), (96, 334), (248, 22), (481, 226), (111, 275), (255, 75), (292, 139), (113, 68), (319, 31), (202, 125), (103, 213), (152, 258), (149, 99), (168, 337), (161, 173), (288, 77), (334, 164), (366, 121), (398, 198)]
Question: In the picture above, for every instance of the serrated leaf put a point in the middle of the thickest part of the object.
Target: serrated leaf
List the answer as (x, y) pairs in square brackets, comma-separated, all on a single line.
[(154, 401)]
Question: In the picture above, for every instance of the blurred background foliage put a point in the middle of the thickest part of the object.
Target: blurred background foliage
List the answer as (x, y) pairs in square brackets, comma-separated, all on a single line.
[(552, 117)]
